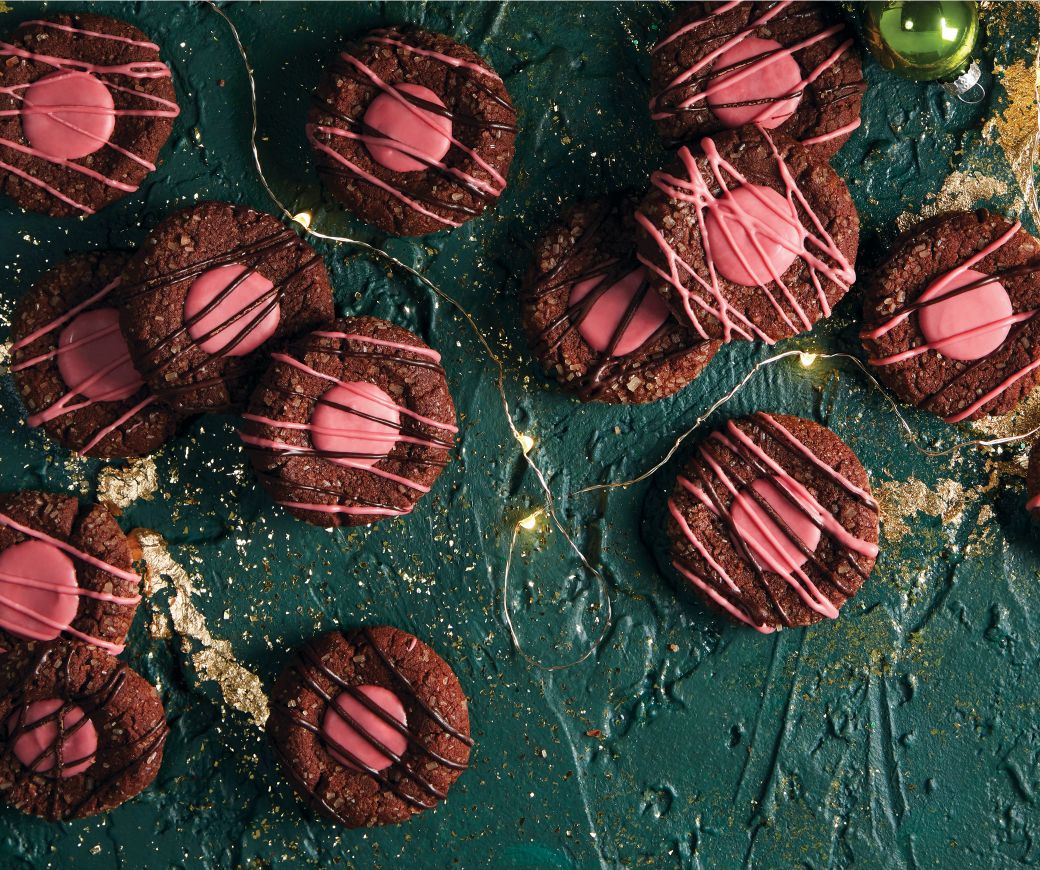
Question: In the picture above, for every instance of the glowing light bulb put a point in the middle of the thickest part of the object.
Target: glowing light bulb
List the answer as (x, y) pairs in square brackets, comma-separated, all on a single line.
[(526, 442), (807, 359), (530, 522), (303, 219)]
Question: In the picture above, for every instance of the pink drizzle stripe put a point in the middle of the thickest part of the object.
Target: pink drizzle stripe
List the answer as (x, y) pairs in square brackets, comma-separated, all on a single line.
[(68, 548), (29, 583), (54, 25), (1033, 503), (427, 352), (105, 431), (350, 510), (994, 393), (833, 134), (981, 329), (446, 59), (682, 31), (65, 318), (111, 648)]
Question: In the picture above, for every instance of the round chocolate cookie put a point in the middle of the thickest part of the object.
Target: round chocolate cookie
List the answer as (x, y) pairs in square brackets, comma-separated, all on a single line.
[(750, 238), (792, 67), (412, 132), (352, 424), (773, 523), (592, 318), (80, 732), (371, 726), (949, 316), (211, 290), (72, 366), (65, 570), (85, 106), (1033, 481)]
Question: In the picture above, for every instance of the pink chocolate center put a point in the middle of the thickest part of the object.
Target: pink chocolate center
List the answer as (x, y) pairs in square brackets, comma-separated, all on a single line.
[(358, 741), (774, 549), (365, 425), (604, 318), (417, 132), (249, 310), (41, 749), (38, 590), (93, 358), (754, 234), (759, 84), (67, 115), (982, 317)]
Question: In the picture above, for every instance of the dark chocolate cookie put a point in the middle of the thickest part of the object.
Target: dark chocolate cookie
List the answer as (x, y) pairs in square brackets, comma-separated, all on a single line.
[(773, 523), (371, 726), (65, 570), (592, 318), (949, 316), (751, 237), (412, 132), (85, 106), (80, 732), (792, 67), (73, 368), (211, 290), (352, 424), (1033, 481)]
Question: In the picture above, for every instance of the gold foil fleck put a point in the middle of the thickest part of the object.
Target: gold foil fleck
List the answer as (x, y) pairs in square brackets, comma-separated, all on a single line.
[(216, 660), (5, 354), (1016, 127), (1024, 418), (901, 500), (960, 191), (118, 488)]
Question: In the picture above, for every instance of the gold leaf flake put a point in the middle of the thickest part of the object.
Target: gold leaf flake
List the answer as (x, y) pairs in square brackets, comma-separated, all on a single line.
[(216, 660), (960, 191), (901, 500), (1015, 128), (118, 488)]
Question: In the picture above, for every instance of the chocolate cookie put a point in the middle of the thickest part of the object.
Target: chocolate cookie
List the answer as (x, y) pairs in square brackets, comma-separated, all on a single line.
[(65, 570), (772, 521), (80, 732), (791, 67), (751, 237), (212, 289), (72, 366), (370, 725), (592, 318), (85, 106), (352, 424), (949, 316), (412, 132), (1033, 481)]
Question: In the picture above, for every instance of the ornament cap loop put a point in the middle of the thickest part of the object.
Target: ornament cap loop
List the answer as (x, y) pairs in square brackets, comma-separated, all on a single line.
[(966, 87)]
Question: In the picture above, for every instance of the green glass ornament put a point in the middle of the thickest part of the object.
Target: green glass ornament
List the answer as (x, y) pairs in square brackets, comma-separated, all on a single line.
[(926, 40)]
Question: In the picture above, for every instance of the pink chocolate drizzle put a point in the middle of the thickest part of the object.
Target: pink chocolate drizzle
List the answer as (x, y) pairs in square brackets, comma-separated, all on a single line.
[(762, 537), (343, 345), (769, 233), (405, 767), (428, 115), (57, 115), (948, 288), (77, 399), (703, 85), (59, 589)]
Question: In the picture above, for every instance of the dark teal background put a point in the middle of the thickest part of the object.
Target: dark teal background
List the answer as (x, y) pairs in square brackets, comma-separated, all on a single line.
[(905, 734)]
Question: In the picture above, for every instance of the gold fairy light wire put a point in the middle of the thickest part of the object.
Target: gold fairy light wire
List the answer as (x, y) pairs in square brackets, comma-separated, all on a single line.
[(526, 443)]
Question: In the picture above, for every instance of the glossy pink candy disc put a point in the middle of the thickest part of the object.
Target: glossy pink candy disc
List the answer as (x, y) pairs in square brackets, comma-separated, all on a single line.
[(783, 556), (37, 580), (754, 234), (91, 344), (67, 115), (981, 311), (369, 429), (417, 129), (219, 327), (40, 748), (601, 322), (761, 88), (341, 733)]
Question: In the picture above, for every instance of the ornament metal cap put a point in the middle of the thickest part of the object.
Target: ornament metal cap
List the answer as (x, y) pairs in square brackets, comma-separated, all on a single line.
[(966, 87)]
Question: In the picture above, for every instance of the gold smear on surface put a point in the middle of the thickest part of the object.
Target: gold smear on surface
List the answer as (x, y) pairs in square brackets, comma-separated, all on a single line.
[(1024, 418), (216, 660), (1015, 128), (960, 191), (118, 488), (901, 500), (5, 354)]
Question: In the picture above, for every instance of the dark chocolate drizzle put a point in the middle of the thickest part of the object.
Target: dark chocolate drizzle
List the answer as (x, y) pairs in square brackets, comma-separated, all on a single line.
[(606, 370), (308, 663), (744, 458), (90, 702)]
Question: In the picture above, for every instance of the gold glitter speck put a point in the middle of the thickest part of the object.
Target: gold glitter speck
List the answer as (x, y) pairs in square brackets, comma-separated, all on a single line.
[(118, 488)]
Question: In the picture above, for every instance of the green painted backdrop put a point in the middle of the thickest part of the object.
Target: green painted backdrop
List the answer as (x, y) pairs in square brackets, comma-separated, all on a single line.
[(903, 735)]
